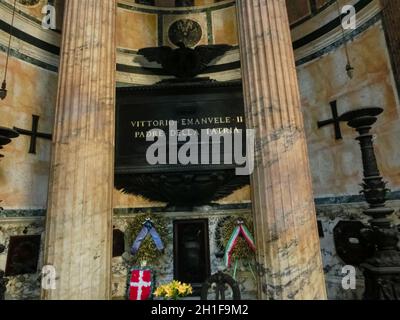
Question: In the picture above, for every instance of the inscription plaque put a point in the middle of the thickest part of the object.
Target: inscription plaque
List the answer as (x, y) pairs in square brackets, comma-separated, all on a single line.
[(211, 107), (216, 108)]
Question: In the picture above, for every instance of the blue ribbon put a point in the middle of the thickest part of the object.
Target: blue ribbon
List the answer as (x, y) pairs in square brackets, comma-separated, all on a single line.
[(147, 229)]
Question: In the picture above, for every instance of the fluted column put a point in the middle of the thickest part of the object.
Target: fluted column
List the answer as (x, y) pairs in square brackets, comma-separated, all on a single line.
[(288, 250), (79, 217), (391, 25)]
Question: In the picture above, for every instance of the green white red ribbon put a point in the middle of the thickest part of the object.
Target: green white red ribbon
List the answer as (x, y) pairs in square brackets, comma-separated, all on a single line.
[(240, 230)]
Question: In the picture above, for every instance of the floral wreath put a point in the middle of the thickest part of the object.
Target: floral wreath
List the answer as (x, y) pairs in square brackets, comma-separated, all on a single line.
[(147, 252)]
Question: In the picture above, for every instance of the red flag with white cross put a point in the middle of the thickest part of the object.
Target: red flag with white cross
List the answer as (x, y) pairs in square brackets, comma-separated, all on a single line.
[(140, 287)]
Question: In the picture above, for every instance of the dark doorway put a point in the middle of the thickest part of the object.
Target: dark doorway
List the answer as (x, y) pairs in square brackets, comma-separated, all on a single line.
[(191, 252)]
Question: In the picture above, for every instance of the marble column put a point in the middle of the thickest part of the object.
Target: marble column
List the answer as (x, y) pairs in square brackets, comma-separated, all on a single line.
[(288, 250), (79, 217)]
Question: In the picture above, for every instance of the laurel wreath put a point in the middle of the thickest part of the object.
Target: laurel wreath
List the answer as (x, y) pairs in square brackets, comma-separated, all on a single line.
[(224, 231), (148, 251)]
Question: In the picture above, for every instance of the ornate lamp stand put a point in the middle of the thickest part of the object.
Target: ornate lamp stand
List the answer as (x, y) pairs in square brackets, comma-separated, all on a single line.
[(382, 270), (6, 135)]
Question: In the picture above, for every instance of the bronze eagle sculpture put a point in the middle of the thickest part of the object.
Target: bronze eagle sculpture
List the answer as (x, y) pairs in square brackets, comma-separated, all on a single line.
[(184, 62)]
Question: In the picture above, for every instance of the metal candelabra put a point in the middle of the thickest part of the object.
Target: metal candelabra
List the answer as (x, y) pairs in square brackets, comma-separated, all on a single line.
[(382, 270), (6, 135)]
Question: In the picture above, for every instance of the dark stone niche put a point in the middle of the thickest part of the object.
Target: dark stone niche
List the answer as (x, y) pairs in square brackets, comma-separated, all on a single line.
[(23, 255), (118, 243)]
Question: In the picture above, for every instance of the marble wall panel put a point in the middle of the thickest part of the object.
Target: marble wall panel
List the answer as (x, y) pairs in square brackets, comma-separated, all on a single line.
[(24, 176), (336, 164)]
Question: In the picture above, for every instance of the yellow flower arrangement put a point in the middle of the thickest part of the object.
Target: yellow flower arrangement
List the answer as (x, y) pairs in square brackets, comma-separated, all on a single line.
[(173, 290)]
